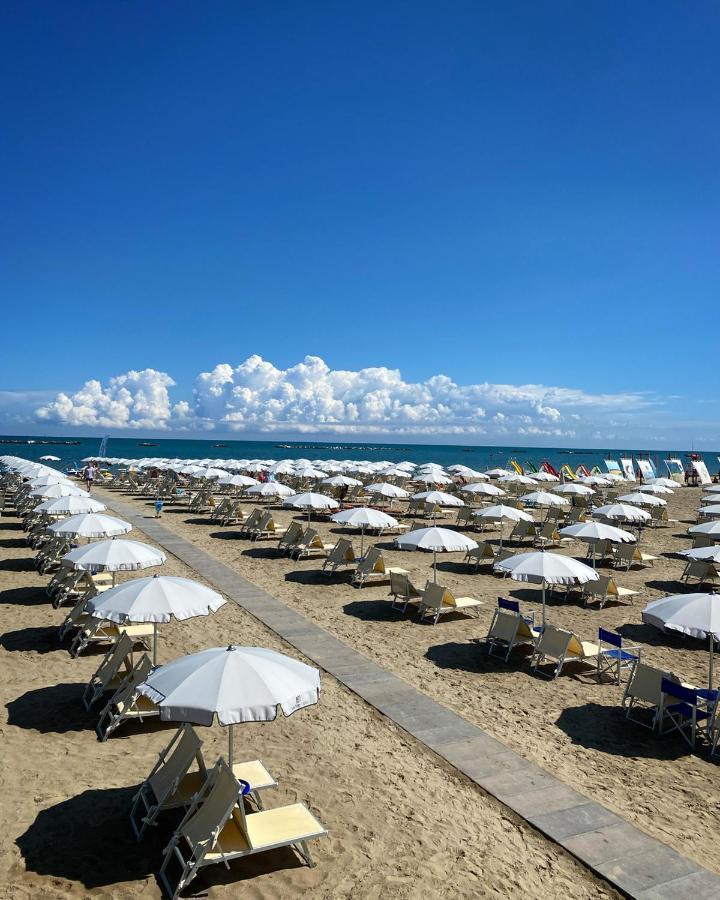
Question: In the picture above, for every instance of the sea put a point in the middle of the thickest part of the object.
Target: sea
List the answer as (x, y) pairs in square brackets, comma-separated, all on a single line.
[(71, 452)]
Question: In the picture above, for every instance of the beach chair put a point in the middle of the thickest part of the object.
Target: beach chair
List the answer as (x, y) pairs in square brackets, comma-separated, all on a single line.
[(508, 630), (403, 591), (561, 647), (342, 554), (483, 553), (705, 572), (625, 555), (643, 693), (310, 544), (260, 527), (171, 783), (465, 517), (507, 604), (100, 631), (502, 553), (216, 829), (76, 617), (681, 710), (291, 538), (613, 659), (127, 703), (555, 514), (251, 522), (521, 531), (603, 588), (658, 517), (575, 514), (548, 535), (234, 514), (371, 565), (112, 671), (437, 600), (415, 507)]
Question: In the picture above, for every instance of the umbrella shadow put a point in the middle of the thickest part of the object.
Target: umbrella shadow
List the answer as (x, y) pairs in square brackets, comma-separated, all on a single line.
[(25, 596), (317, 576), (378, 610), (38, 640), (10, 526), (459, 568), (656, 637), (87, 839), (13, 542), (470, 656), (56, 709), (261, 552), (672, 587), (229, 533), (605, 729), (19, 564)]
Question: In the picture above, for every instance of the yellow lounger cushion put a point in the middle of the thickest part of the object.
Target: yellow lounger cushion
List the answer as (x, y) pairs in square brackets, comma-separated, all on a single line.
[(267, 829)]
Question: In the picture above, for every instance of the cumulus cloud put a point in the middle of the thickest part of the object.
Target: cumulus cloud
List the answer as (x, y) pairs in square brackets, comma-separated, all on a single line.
[(134, 400), (256, 397)]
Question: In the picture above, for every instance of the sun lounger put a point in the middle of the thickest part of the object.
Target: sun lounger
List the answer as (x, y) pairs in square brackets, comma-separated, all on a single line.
[(625, 555), (403, 591), (172, 784), (216, 829), (644, 692), (521, 531), (126, 703), (251, 521), (112, 671), (705, 572), (483, 553), (561, 647), (549, 536), (100, 631), (291, 538), (371, 565), (342, 554), (603, 588), (310, 544), (437, 600), (507, 631)]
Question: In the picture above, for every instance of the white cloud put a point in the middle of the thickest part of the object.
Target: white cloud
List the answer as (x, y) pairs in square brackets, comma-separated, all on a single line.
[(256, 397), (133, 400)]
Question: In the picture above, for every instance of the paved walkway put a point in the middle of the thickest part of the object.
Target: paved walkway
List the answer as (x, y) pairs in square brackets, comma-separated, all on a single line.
[(626, 857)]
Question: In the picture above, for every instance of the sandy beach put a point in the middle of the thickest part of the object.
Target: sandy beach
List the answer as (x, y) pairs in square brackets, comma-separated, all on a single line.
[(401, 823)]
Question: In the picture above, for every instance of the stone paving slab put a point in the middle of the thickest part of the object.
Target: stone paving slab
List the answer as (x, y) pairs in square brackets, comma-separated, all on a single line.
[(636, 864)]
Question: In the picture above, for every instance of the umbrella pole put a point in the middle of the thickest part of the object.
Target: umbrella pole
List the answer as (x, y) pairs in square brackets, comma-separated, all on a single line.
[(155, 637), (712, 661), (362, 540), (434, 567), (230, 745), (543, 603), (113, 581)]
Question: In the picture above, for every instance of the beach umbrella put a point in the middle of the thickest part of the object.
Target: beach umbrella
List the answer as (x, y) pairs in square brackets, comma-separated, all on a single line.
[(51, 491), (623, 512), (710, 512), (640, 499), (572, 487), (596, 480), (236, 684), (341, 481), (706, 554), (238, 481), (90, 525), (156, 599), (270, 489), (543, 498), (544, 476), (540, 567), (311, 502), (709, 529), (385, 489), (439, 540), (363, 517), (654, 487), (466, 472), (438, 498), (592, 532), (45, 480), (310, 472), (70, 506), (436, 478), (516, 478), (695, 615), (663, 482), (712, 488), (480, 487), (50, 458), (211, 473), (114, 555), (501, 513)]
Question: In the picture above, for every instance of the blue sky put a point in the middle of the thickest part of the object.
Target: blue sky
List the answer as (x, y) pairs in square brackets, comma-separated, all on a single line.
[(522, 197)]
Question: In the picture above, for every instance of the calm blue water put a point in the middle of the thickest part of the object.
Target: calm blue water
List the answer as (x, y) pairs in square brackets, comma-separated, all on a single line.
[(475, 457)]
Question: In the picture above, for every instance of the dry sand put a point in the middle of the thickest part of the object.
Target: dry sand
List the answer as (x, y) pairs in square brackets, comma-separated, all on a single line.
[(402, 824), (572, 726)]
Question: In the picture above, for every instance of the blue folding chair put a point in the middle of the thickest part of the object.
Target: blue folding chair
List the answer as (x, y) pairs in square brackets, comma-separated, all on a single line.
[(513, 606), (613, 657), (679, 708)]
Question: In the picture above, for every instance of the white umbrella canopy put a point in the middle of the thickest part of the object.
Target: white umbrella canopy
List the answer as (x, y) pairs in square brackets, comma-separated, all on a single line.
[(70, 506), (622, 512), (212, 473), (439, 540), (592, 532), (707, 554), (597, 480), (310, 472), (544, 476), (663, 482), (51, 491), (712, 488), (466, 472), (516, 478), (238, 481), (438, 498), (385, 489), (498, 473), (45, 480), (695, 615), (114, 555), (363, 517), (640, 499), (431, 478), (156, 599), (712, 511), (654, 487), (341, 481), (572, 487), (480, 487), (711, 529), (540, 567), (270, 489), (49, 458), (543, 498), (90, 525), (310, 501), (236, 684), (499, 513)]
